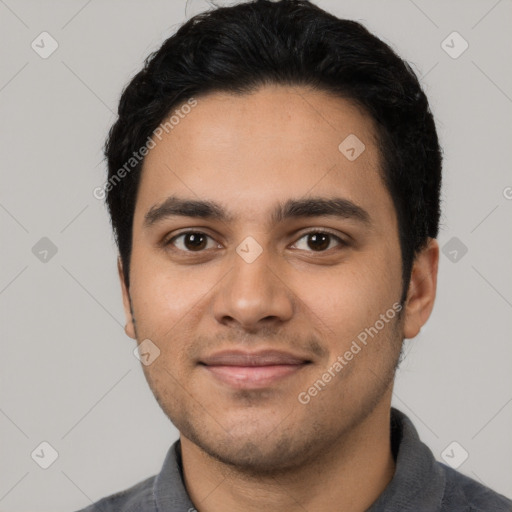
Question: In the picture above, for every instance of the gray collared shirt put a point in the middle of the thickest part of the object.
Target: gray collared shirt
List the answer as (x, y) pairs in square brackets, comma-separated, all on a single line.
[(420, 484)]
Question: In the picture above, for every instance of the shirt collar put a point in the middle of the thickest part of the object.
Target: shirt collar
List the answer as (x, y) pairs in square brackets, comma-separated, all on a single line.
[(417, 485), (169, 487), (419, 482)]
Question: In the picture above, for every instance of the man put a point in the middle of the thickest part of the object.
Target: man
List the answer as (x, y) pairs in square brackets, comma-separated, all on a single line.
[(274, 181)]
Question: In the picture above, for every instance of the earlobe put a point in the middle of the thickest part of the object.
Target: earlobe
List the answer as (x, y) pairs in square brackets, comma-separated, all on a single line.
[(422, 289), (129, 328)]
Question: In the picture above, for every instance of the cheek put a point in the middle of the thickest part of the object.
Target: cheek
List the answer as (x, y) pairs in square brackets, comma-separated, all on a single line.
[(346, 300), (164, 295), (334, 303)]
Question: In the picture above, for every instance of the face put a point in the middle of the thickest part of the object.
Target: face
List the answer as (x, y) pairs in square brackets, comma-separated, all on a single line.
[(266, 273)]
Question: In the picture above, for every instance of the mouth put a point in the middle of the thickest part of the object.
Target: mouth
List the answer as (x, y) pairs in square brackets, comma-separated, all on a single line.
[(252, 370)]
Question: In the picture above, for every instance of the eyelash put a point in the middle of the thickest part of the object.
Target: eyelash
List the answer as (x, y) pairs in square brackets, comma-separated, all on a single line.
[(341, 242)]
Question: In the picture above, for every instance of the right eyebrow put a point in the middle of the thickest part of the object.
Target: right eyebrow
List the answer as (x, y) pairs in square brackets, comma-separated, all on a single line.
[(174, 206)]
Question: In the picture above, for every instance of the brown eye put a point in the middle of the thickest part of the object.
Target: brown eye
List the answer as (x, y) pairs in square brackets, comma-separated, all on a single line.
[(191, 241), (195, 241), (319, 241)]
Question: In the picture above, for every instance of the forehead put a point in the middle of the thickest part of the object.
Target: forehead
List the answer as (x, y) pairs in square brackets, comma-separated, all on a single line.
[(252, 151)]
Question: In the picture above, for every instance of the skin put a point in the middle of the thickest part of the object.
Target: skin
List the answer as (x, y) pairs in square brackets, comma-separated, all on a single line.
[(261, 449)]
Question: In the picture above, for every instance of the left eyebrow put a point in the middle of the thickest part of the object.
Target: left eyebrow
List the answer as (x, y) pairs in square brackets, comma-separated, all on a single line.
[(321, 207), (293, 208)]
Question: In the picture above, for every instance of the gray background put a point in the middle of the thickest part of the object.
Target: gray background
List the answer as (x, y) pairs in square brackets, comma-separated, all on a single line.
[(68, 373)]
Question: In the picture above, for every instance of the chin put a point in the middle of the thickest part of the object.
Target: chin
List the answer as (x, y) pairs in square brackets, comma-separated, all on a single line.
[(268, 455), (251, 446)]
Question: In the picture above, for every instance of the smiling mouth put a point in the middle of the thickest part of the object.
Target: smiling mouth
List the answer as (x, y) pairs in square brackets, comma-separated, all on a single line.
[(256, 370)]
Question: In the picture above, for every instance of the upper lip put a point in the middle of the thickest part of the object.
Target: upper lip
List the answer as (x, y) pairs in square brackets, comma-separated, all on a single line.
[(246, 358)]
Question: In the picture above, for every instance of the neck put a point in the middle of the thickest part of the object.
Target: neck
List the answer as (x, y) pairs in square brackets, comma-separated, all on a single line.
[(351, 476)]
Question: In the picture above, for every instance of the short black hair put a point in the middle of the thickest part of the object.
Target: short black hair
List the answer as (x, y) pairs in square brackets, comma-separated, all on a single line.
[(289, 42)]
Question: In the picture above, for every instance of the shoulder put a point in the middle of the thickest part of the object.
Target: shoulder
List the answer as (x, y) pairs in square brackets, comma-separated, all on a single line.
[(465, 494), (138, 498)]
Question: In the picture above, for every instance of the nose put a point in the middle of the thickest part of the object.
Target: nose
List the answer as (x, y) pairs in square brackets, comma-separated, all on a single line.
[(253, 295)]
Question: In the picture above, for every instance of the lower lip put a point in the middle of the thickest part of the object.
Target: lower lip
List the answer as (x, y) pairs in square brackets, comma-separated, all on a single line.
[(253, 376)]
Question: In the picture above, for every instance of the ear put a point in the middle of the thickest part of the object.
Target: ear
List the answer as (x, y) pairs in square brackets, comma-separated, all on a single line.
[(129, 328), (422, 289)]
